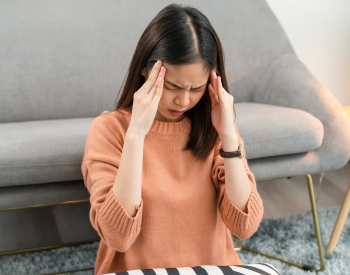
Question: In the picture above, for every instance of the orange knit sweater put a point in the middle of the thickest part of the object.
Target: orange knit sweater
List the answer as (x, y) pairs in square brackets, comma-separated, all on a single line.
[(184, 217)]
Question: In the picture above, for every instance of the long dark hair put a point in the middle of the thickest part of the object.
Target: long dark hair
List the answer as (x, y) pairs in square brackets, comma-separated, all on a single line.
[(180, 35)]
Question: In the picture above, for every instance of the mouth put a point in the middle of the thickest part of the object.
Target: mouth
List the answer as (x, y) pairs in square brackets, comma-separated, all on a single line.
[(176, 113)]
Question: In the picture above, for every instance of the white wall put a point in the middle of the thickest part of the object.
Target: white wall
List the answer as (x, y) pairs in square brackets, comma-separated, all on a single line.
[(319, 31)]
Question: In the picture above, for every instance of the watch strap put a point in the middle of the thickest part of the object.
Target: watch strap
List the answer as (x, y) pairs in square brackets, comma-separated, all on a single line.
[(233, 154)]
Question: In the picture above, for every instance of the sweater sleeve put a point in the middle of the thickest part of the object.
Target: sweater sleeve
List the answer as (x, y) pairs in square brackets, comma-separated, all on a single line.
[(99, 168), (241, 224)]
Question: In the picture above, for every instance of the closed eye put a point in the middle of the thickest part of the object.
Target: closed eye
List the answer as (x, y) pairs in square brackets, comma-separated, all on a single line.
[(197, 90)]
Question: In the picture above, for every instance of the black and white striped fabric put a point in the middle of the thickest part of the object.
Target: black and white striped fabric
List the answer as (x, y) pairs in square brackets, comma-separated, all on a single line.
[(245, 269)]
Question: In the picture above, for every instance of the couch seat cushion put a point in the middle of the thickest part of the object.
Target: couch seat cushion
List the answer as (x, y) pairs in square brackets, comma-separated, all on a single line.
[(45, 151), (270, 130)]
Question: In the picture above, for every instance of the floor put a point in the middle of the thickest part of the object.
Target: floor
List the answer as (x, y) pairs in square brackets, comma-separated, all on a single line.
[(70, 223)]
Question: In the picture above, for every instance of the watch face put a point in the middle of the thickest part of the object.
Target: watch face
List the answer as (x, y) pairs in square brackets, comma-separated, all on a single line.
[(241, 150)]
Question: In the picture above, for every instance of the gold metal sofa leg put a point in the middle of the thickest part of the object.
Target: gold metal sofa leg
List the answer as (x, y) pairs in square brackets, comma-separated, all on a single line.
[(317, 231)]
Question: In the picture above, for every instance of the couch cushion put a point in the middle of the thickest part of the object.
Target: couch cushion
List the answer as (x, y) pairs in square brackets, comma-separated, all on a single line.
[(42, 151), (270, 130), (45, 151)]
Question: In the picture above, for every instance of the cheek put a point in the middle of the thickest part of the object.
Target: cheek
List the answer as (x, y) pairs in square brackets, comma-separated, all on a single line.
[(163, 100)]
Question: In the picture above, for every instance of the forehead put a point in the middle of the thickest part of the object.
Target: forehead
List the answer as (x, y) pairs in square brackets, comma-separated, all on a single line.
[(186, 75)]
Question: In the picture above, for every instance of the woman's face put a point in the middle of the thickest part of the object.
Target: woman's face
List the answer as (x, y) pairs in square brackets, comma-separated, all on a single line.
[(183, 87)]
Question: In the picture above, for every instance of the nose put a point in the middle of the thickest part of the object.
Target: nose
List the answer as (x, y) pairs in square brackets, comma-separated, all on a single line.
[(183, 99)]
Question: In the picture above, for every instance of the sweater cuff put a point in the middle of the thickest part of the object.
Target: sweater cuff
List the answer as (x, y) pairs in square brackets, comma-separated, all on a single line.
[(234, 215), (114, 214)]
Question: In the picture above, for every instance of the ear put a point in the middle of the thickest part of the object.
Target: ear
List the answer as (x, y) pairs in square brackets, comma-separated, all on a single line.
[(144, 71)]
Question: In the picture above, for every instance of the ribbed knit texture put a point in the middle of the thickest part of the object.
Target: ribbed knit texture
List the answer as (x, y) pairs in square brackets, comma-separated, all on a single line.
[(184, 217)]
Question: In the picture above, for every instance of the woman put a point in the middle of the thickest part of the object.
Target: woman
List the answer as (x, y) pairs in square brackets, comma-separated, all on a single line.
[(160, 196)]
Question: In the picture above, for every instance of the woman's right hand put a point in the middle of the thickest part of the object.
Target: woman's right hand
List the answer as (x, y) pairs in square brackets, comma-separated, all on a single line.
[(146, 101)]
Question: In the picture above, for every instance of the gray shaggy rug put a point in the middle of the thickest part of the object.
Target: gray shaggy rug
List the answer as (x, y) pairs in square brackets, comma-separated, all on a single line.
[(291, 238)]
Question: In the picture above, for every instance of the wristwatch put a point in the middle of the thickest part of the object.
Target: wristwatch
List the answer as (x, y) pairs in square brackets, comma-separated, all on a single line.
[(233, 154)]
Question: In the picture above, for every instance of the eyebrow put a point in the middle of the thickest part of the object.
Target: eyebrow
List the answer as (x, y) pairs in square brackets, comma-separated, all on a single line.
[(174, 85)]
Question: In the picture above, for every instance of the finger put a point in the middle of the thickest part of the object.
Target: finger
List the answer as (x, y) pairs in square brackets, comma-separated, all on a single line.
[(219, 85), (221, 91), (159, 90), (213, 96), (214, 93), (153, 76), (154, 88), (151, 92)]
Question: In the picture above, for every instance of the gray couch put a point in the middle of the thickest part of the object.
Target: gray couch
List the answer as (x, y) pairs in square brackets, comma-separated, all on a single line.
[(63, 62)]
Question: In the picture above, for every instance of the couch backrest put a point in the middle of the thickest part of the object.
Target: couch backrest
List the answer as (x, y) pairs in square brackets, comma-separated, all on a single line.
[(68, 59)]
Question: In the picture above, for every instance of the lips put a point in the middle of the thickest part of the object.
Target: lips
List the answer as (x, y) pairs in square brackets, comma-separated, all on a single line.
[(174, 113)]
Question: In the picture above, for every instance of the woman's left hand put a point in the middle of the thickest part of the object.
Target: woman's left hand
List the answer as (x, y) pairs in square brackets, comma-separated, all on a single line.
[(222, 110)]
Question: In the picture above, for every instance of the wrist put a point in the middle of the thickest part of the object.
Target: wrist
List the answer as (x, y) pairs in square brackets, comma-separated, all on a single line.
[(229, 143), (131, 134)]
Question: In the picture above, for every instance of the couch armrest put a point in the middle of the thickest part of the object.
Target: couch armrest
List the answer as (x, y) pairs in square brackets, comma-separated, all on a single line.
[(288, 82)]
